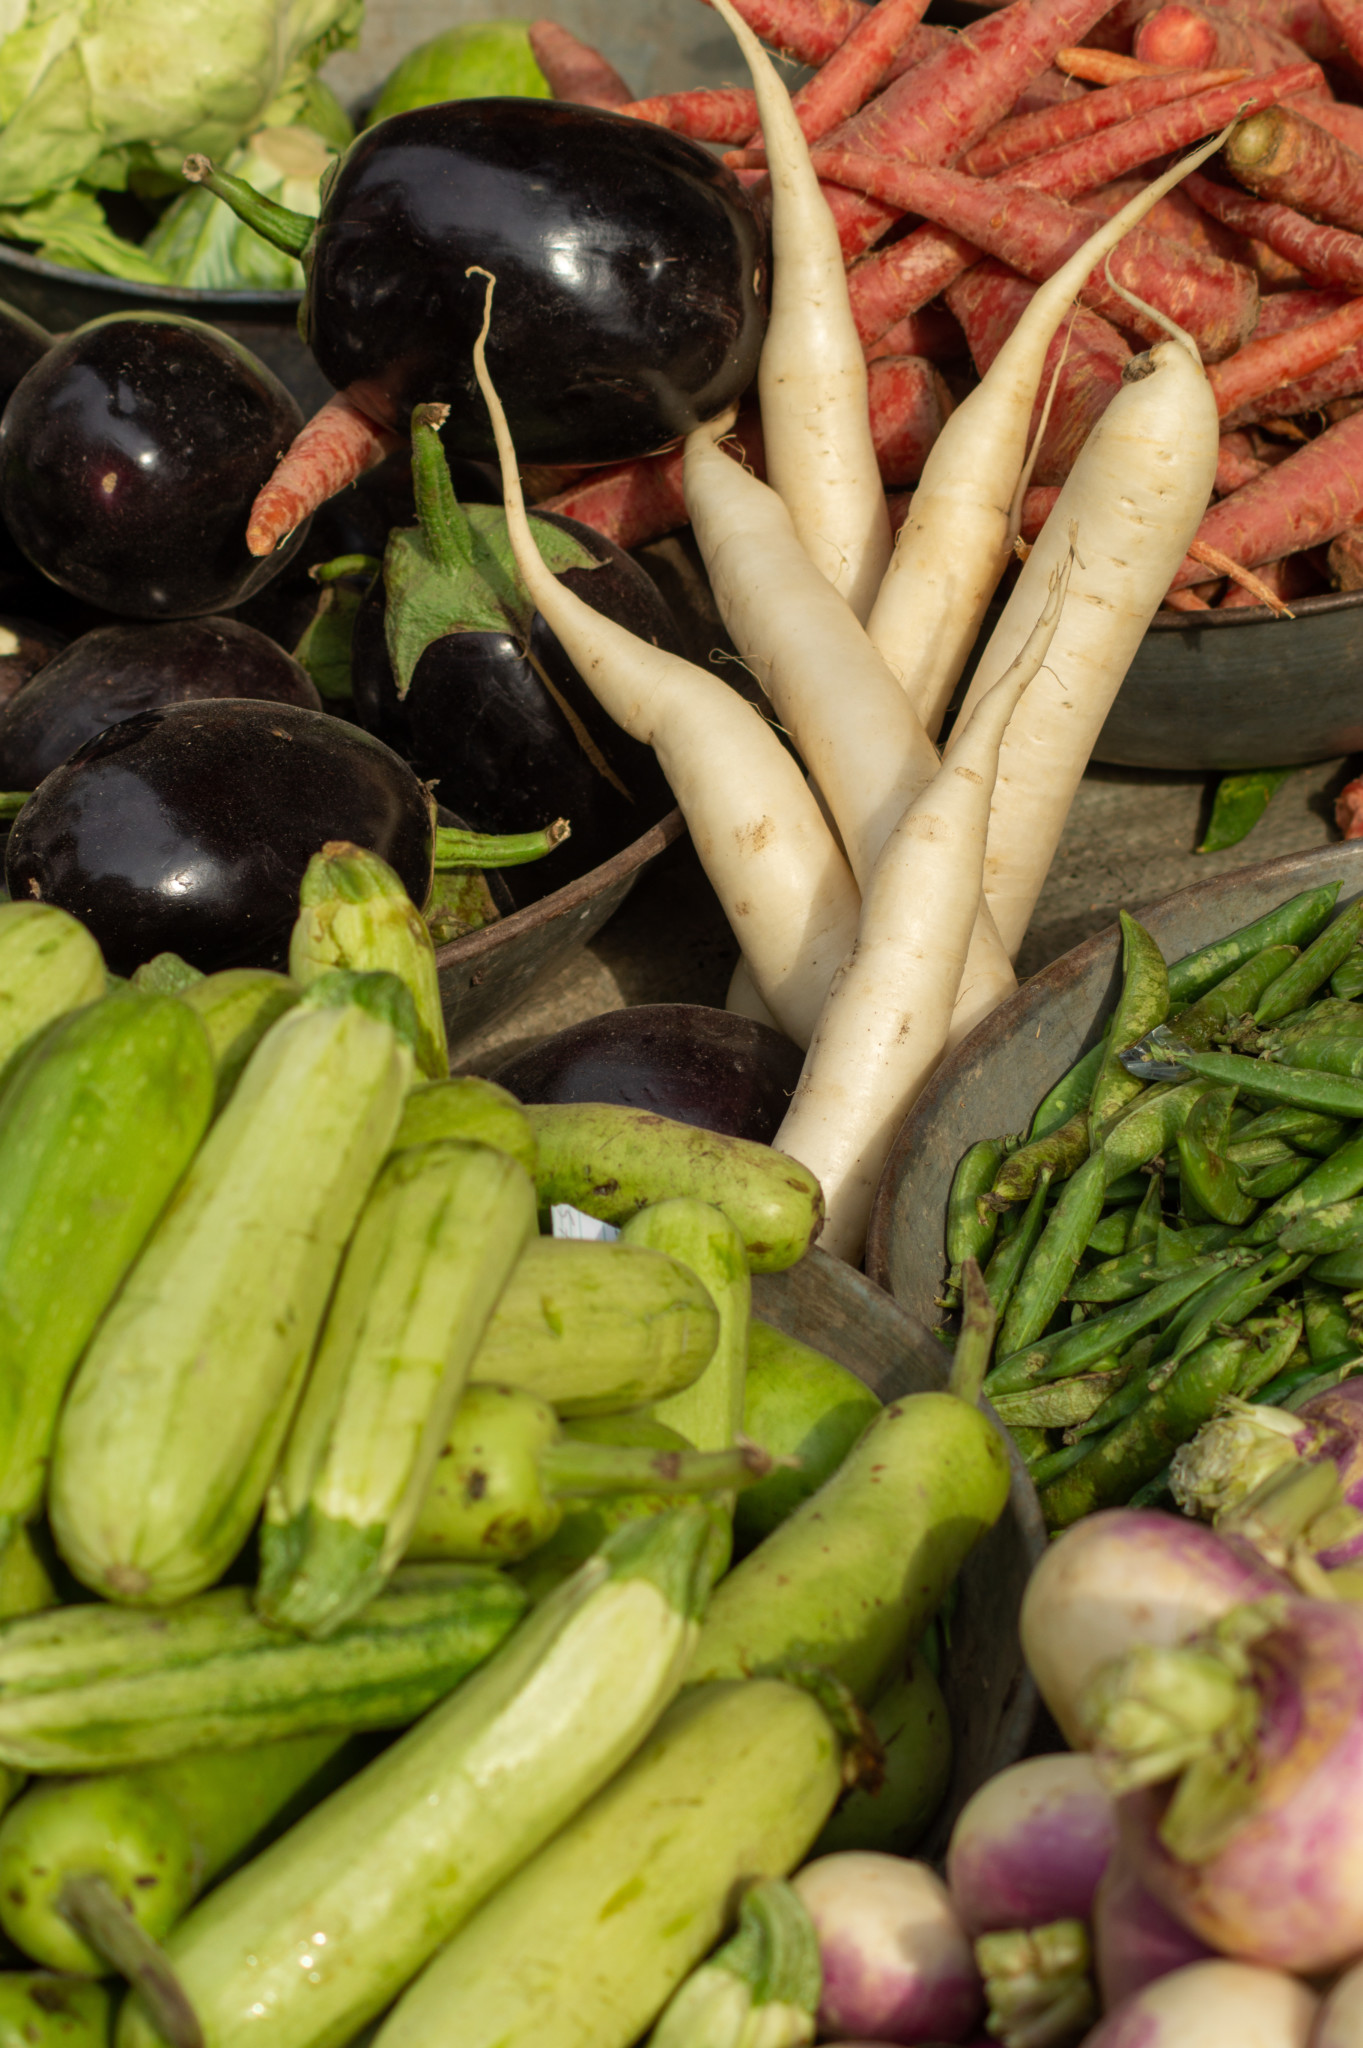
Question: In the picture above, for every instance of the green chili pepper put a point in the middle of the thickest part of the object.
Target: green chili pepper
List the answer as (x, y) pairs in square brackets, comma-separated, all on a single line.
[(1137, 1448), (1142, 1004), (1334, 1180), (1305, 1129), (1239, 803), (1059, 1154), (1004, 1269), (1109, 1234), (1291, 924), (1232, 998), (1331, 1094), (1052, 1265), (971, 1223), (1313, 969), (1205, 1171), (1070, 1095)]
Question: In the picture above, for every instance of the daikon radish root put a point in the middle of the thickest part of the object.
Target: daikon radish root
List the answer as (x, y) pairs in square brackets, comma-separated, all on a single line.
[(1084, 361), (1265, 363), (785, 888), (1216, 301), (811, 378), (1327, 254), (575, 70), (707, 113), (955, 542), (1281, 155), (336, 446), (1311, 498), (1028, 135), (1136, 495), (884, 1026)]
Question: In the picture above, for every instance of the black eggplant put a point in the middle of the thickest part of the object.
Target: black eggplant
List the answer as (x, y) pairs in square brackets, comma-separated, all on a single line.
[(129, 458), (188, 829), (116, 671), (22, 343), (26, 645), (681, 1060), (630, 268), (452, 665)]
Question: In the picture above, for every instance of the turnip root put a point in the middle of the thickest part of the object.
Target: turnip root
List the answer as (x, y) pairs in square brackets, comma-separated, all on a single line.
[(1135, 1940), (1031, 1845), (896, 1961), (1119, 1578), (1339, 2023), (1212, 2005)]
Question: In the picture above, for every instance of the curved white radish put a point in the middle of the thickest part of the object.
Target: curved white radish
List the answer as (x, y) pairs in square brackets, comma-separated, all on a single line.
[(883, 1028), (784, 886), (955, 542), (811, 381), (1137, 492)]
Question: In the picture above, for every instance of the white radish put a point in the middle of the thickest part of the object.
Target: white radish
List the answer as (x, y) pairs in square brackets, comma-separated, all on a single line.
[(1137, 493), (785, 888), (884, 1025), (955, 543), (811, 381), (1212, 2005)]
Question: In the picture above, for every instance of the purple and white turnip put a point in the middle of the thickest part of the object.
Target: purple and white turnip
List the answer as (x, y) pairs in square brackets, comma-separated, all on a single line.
[(897, 1965)]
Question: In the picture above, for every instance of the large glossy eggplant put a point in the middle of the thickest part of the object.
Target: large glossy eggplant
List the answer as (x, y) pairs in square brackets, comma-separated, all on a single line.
[(22, 343), (452, 665), (130, 455), (26, 645), (116, 671), (188, 829), (685, 1061), (630, 267)]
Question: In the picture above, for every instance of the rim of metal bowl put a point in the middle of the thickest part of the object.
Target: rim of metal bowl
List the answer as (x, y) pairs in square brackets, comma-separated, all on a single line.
[(619, 868), (187, 295), (1254, 614)]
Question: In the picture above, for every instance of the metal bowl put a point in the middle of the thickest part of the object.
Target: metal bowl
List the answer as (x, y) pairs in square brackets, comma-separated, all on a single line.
[(994, 1080), (988, 1688), (1242, 689)]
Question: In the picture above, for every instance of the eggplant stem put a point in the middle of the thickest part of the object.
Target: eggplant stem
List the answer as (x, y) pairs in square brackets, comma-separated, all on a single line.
[(99, 1916), (443, 521), (12, 801), (276, 224), (456, 848), (587, 1468)]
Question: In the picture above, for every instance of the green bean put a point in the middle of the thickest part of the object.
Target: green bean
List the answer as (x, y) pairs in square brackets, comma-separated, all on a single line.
[(1232, 998), (1275, 1341), (1338, 1227), (1002, 1273), (1234, 1297), (971, 1223), (1305, 1129), (1113, 1332), (1141, 1381), (1249, 1155), (1145, 1224), (1335, 1376), (1279, 1391), (1056, 1255), (1142, 1004), (1059, 1154), (1108, 1236), (1325, 1016), (1347, 981), (1136, 1449), (1334, 1180), (1070, 1095), (1328, 1334), (1329, 1053), (1057, 1407), (1017, 1369), (1291, 924), (1313, 968), (1268, 1182), (1331, 1094), (1044, 1470), (1205, 1170), (1340, 1269), (1119, 1278), (1147, 1128)]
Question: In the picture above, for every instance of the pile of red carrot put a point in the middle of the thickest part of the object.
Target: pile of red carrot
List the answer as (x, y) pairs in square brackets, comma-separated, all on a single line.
[(962, 170)]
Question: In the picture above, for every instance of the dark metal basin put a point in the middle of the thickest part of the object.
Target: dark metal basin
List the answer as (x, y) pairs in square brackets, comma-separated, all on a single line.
[(993, 1081), (988, 1688)]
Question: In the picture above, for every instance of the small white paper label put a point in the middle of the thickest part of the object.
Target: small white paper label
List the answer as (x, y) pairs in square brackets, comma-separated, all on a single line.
[(570, 1222)]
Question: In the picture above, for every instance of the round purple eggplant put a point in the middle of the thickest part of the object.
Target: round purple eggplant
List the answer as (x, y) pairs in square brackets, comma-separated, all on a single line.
[(509, 733), (130, 455), (187, 829), (680, 1060), (26, 645), (117, 671), (22, 343)]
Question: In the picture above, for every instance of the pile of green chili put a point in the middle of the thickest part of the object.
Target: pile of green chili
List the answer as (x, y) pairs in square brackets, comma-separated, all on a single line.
[(1156, 1246)]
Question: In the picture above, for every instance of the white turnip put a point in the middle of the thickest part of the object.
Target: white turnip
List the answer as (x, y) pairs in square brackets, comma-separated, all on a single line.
[(1031, 1845), (896, 1961), (1212, 2005)]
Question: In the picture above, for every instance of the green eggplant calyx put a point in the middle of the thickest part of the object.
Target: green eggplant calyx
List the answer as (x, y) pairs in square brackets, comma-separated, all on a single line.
[(863, 1753), (280, 225), (454, 572), (457, 848)]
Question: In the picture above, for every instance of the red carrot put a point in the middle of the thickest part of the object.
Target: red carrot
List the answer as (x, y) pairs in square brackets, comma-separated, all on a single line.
[(1281, 311), (337, 445), (1174, 215), (1267, 361), (896, 282), (1346, 19), (1237, 462), (821, 105), (1179, 34), (1037, 502), (1186, 601), (1307, 23), (1050, 88), (1088, 354), (1030, 135), (1216, 302), (1345, 562), (1349, 809), (1342, 120), (933, 332), (807, 30), (1280, 155), (909, 404), (708, 113), (1106, 67), (575, 70), (1341, 378), (1316, 494), (1290, 578), (1321, 252)]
